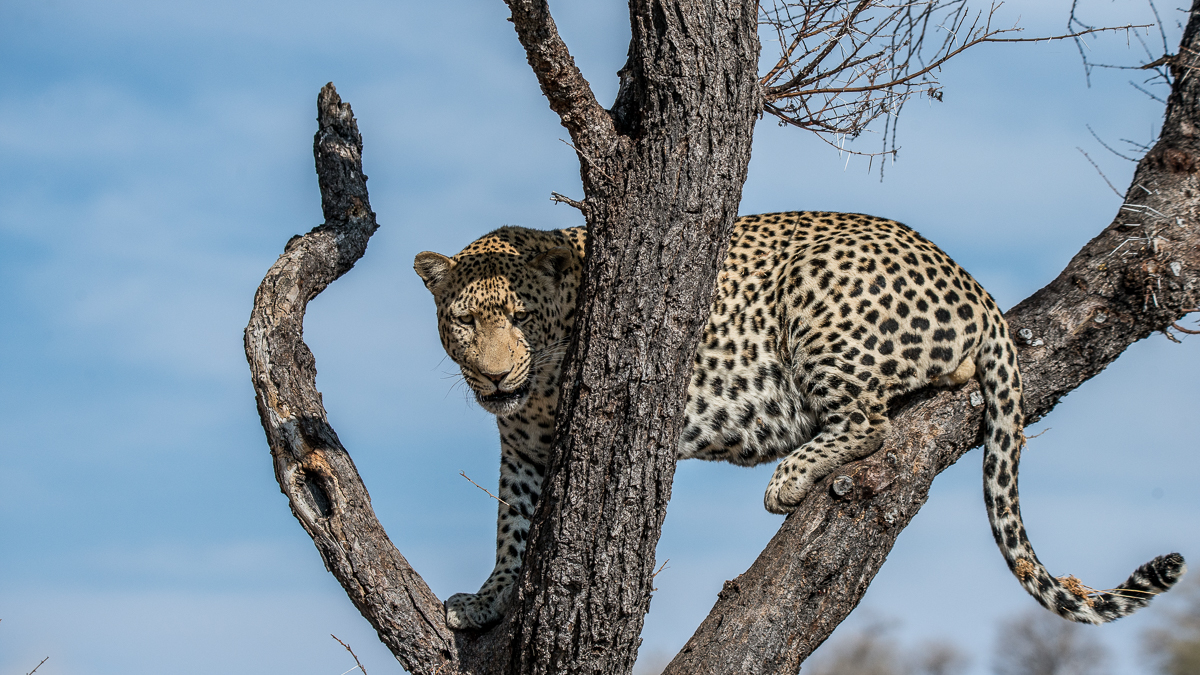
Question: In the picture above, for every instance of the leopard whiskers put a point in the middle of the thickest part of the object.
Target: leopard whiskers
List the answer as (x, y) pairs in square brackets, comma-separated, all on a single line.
[(459, 382), (551, 353)]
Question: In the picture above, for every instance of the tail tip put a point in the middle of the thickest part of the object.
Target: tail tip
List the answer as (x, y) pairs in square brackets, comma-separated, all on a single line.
[(1147, 581), (1169, 569)]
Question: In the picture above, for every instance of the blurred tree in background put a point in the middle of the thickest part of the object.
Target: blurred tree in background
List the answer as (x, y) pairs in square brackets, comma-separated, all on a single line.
[(872, 651), (1174, 645), (1039, 643)]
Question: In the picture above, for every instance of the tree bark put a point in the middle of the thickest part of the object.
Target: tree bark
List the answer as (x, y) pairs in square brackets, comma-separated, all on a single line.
[(662, 174)]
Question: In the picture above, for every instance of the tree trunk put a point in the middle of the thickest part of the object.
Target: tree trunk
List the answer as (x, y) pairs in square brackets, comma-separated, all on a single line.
[(662, 174)]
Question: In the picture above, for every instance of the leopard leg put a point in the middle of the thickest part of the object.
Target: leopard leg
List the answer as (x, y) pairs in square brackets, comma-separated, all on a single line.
[(853, 428), (520, 487)]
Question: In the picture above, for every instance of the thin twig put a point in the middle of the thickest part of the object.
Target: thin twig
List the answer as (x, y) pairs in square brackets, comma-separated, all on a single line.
[(775, 93), (359, 663), (559, 199), (1106, 146), (1164, 60), (39, 665), (1110, 185), (1072, 35), (1147, 92), (660, 568), (588, 159), (464, 475)]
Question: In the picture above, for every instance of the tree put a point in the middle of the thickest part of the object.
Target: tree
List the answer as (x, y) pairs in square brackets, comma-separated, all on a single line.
[(1174, 645), (662, 173), (870, 651), (1040, 644)]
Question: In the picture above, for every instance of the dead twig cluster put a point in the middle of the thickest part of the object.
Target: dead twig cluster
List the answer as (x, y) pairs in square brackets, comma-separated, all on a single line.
[(1159, 61), (845, 63)]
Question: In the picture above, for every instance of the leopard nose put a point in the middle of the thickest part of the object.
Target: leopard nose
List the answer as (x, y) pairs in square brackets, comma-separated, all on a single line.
[(497, 377)]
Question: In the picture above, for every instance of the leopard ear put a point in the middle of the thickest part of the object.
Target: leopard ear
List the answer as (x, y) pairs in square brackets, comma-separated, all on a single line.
[(554, 262), (432, 267)]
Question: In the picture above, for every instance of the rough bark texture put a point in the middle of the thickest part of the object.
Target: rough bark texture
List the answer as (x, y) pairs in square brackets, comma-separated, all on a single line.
[(662, 173)]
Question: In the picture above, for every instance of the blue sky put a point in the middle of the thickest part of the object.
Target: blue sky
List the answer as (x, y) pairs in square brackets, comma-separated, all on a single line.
[(154, 158)]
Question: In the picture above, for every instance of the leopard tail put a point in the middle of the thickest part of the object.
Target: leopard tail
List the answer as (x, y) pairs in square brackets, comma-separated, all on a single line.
[(1004, 439)]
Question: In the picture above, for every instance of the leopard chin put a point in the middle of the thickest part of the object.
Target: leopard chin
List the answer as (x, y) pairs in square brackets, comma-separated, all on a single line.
[(505, 403)]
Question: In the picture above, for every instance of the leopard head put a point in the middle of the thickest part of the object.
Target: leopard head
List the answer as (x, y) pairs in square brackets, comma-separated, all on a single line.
[(504, 315)]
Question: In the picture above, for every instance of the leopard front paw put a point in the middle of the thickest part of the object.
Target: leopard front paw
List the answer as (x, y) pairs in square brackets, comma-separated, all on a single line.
[(787, 488), (468, 610)]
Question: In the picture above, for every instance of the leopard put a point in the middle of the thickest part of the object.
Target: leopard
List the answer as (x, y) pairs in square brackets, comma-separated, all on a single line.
[(819, 321)]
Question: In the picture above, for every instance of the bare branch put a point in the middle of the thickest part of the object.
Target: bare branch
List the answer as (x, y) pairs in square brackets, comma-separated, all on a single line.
[(311, 465), (845, 63), (1110, 149), (559, 199), (1097, 168), (1081, 33), (464, 475)]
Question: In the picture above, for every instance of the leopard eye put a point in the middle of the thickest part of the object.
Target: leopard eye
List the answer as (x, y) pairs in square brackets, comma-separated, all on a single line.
[(465, 319), (520, 317)]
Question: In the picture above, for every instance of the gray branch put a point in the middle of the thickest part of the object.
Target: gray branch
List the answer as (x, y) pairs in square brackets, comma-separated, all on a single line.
[(313, 469)]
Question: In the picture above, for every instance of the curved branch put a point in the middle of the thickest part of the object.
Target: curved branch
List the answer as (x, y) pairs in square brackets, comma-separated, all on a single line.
[(313, 469), (1141, 274)]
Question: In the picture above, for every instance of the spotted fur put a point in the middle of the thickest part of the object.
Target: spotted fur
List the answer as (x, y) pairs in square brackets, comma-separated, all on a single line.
[(818, 320)]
